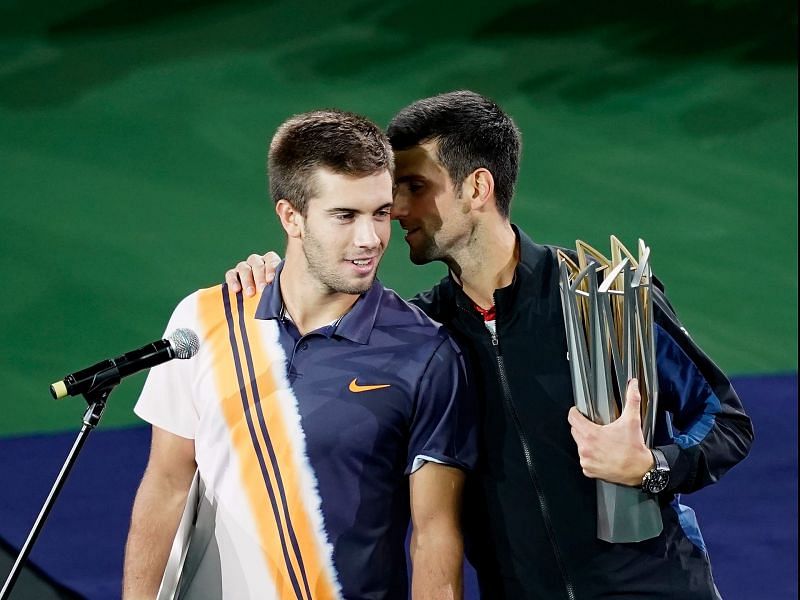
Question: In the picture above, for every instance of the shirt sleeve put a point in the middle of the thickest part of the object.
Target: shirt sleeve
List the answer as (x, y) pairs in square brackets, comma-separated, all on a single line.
[(709, 431), (443, 424), (167, 400)]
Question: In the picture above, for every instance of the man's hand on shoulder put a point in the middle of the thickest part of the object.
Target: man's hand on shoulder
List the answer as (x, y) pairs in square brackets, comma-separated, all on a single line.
[(615, 452), (252, 274)]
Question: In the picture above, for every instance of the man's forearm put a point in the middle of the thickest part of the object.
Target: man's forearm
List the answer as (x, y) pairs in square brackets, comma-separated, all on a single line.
[(156, 514), (437, 561)]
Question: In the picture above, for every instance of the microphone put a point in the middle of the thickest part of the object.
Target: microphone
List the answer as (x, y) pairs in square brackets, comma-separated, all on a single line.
[(181, 343)]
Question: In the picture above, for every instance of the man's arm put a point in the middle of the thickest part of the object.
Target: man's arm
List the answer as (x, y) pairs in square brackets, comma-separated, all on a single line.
[(711, 431), (251, 275), (437, 548), (156, 512)]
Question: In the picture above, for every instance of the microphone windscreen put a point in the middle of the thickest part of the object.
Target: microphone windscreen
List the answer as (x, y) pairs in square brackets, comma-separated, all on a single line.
[(184, 342)]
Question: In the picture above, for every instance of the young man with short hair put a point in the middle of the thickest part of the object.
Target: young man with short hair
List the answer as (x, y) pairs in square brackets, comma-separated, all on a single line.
[(320, 416)]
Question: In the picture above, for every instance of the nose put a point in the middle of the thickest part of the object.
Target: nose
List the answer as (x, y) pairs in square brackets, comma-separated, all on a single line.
[(366, 236), (400, 204)]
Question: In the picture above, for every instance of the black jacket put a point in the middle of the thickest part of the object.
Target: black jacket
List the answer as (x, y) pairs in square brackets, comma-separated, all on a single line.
[(530, 513)]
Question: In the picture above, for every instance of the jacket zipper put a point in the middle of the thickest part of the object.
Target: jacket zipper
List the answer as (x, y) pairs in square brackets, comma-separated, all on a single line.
[(526, 449)]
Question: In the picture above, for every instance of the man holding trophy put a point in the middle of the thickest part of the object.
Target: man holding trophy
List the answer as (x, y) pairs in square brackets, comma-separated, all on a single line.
[(597, 408)]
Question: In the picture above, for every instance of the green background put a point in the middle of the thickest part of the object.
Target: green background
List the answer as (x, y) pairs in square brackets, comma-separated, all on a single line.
[(133, 137)]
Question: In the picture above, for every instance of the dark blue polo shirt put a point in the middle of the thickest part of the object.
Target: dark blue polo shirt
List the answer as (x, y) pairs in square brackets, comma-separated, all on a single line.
[(383, 385)]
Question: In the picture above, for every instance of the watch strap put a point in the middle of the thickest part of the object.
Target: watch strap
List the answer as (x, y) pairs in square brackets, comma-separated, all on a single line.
[(660, 460)]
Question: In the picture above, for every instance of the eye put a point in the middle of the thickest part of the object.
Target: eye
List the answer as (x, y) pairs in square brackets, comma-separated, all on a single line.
[(410, 187), (343, 216), (383, 213)]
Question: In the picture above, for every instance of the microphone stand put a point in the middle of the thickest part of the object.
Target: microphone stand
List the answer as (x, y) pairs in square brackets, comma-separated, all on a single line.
[(96, 399)]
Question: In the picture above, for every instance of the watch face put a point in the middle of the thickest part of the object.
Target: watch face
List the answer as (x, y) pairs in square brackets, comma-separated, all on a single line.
[(656, 481)]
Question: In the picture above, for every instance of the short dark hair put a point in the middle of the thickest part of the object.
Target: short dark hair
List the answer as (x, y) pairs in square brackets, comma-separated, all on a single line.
[(343, 142), (472, 131)]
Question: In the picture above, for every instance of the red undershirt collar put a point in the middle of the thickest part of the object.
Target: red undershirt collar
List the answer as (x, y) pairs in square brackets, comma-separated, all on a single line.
[(488, 314)]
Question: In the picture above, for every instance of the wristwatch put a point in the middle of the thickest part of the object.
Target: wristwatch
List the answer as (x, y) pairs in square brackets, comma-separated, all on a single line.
[(656, 479)]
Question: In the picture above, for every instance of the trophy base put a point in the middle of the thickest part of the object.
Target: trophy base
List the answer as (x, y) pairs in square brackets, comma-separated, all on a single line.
[(626, 514)]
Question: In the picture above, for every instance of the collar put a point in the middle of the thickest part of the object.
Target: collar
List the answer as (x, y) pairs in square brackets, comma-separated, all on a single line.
[(355, 326), (533, 258)]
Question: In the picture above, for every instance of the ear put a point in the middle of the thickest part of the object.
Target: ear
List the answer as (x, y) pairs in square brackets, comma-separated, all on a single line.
[(290, 218), (479, 188)]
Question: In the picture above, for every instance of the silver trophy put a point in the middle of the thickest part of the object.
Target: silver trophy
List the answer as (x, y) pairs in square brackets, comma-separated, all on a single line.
[(608, 316)]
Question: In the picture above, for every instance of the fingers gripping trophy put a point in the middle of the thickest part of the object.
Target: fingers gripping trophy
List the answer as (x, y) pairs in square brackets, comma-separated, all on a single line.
[(608, 317)]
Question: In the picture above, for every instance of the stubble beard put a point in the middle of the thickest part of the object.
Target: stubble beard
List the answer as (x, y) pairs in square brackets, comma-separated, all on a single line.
[(325, 273), (426, 252), (422, 255)]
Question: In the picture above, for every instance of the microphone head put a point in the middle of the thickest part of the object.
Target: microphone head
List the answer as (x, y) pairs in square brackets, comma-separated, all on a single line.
[(184, 342)]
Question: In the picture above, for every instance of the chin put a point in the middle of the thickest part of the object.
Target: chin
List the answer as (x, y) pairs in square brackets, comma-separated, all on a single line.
[(355, 287), (425, 252), (421, 256), (419, 260)]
